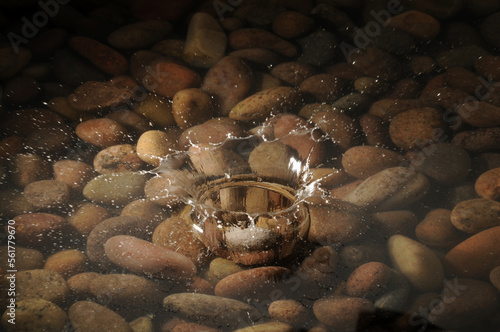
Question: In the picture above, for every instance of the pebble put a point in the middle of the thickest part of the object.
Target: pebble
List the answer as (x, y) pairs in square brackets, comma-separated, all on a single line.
[(206, 41), (395, 222), (79, 285), (191, 107), (102, 56), (475, 215), (488, 184), (122, 225), (50, 142), (437, 230), (47, 194), (40, 229), (86, 217), (395, 41), (128, 290), (176, 234), (289, 312), (251, 284), (337, 223), (340, 128), (418, 24), (167, 78), (353, 104), (93, 96), (293, 72), (319, 268), (344, 313), (216, 311), (102, 132), (364, 161), (260, 38), (260, 56), (234, 87), (291, 24), (490, 28), (154, 109), (116, 188), (488, 66), (222, 132), (465, 304), (216, 161), (376, 63), (145, 209), (323, 87), (24, 122), (375, 130), (154, 146), (220, 268), (261, 105), (67, 262), (268, 327), (117, 158), (463, 56), (88, 316), (389, 189), (70, 69), (478, 140), (476, 256), (395, 298), (418, 126), (419, 264), (139, 35), (143, 257), (318, 48), (13, 61), (42, 284), (368, 280), (36, 314), (21, 89), (495, 277), (269, 159)]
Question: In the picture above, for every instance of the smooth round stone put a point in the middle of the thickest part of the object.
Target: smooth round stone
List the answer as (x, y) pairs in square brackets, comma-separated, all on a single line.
[(344, 313), (495, 277), (488, 184), (376, 63), (43, 284), (40, 229), (364, 161), (418, 24), (389, 189), (463, 56), (475, 215), (254, 283), (69, 69), (394, 299), (490, 29), (21, 89), (268, 327), (79, 284), (337, 223), (395, 222), (318, 48), (444, 162), (216, 311), (436, 230), (139, 35), (47, 194), (104, 230), (368, 280), (128, 290), (36, 314), (353, 104), (12, 61), (102, 132), (143, 257), (67, 262), (260, 38), (27, 259), (394, 41), (419, 264), (90, 316), (270, 159), (290, 312), (479, 140), (218, 162), (116, 188), (476, 256), (291, 24), (466, 304)]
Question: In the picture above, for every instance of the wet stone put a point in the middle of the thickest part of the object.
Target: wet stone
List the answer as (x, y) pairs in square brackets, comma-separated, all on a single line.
[(318, 48)]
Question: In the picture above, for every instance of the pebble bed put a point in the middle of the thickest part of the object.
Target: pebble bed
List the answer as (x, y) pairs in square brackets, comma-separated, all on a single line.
[(392, 106)]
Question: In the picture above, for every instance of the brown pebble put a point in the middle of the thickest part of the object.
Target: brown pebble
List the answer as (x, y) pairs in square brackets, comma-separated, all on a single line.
[(117, 158), (44, 284), (251, 284), (47, 194), (488, 184), (67, 262), (364, 161), (40, 229), (260, 38), (28, 168), (79, 284), (291, 24), (344, 313), (76, 174), (368, 280), (102, 132), (102, 56), (88, 316), (289, 311)]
